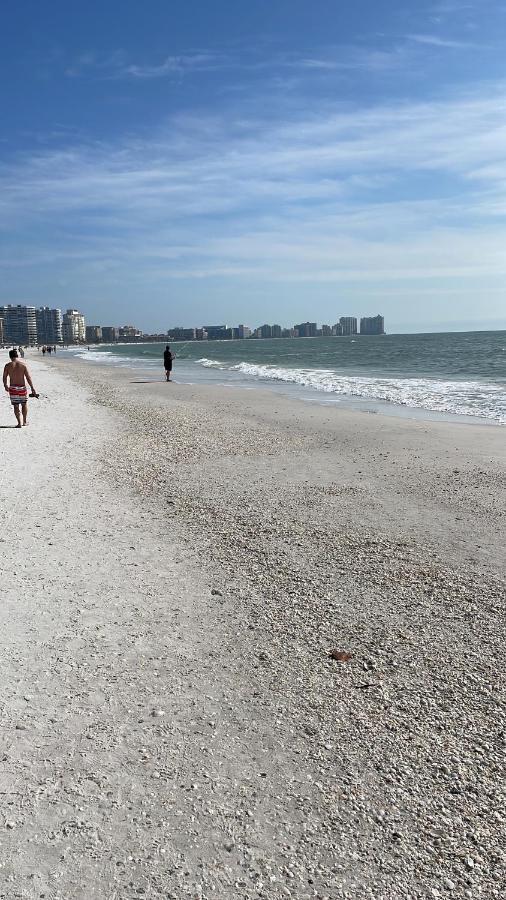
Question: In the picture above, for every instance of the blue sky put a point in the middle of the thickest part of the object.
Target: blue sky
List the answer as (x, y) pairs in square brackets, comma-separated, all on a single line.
[(179, 162)]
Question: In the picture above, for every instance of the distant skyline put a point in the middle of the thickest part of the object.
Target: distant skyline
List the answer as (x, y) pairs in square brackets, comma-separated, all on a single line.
[(172, 164)]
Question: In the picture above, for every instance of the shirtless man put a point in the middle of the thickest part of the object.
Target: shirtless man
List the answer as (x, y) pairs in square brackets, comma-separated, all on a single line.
[(17, 374)]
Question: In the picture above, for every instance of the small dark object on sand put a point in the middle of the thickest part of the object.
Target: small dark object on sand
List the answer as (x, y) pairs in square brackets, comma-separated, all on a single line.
[(340, 655)]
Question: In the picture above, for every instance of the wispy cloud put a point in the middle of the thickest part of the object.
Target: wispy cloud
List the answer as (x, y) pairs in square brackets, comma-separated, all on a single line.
[(173, 65), (390, 54), (116, 65), (450, 7), (90, 62), (249, 61), (322, 64), (469, 14), (433, 40), (390, 193)]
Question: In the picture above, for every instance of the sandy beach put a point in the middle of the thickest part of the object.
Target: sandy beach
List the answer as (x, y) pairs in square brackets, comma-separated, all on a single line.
[(177, 564)]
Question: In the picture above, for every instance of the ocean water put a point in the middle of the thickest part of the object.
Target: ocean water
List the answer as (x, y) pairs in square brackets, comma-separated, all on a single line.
[(453, 374)]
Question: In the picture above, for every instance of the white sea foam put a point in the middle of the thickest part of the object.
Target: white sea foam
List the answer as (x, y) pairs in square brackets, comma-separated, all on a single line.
[(106, 357), (95, 356), (213, 364), (467, 398)]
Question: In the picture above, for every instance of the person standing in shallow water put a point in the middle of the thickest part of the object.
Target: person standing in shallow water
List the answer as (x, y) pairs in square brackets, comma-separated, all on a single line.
[(168, 356), (16, 374)]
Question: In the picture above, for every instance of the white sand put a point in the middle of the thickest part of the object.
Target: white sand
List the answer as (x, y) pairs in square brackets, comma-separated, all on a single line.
[(160, 740)]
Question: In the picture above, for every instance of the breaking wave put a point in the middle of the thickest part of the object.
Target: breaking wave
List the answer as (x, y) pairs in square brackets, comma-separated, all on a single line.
[(213, 364), (465, 398), (106, 357)]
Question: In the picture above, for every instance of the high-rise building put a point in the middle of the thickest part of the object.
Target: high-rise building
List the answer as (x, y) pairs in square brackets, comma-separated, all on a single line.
[(276, 331), (93, 334), (200, 334), (372, 325), (326, 330), (2, 333), (306, 329), (20, 325), (243, 331), (265, 331), (109, 334), (337, 329), (181, 334), (49, 325), (129, 333), (218, 332), (348, 324), (74, 327)]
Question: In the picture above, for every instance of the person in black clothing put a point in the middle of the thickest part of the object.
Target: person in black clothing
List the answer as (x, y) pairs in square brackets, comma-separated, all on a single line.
[(167, 361)]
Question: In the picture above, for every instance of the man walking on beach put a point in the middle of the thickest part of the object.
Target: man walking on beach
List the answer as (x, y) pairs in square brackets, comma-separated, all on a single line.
[(167, 361), (16, 374)]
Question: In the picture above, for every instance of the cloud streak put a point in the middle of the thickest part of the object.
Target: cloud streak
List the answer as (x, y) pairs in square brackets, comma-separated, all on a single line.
[(173, 65), (388, 193), (117, 66), (434, 40), (391, 54)]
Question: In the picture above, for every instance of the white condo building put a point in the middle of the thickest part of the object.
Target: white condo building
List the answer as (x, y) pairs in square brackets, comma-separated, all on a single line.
[(74, 327)]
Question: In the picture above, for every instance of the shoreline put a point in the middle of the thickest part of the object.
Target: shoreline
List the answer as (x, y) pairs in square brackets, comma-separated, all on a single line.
[(191, 375), (399, 464), (224, 545)]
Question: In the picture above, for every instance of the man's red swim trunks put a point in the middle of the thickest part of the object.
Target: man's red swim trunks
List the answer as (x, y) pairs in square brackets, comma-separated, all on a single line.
[(18, 394)]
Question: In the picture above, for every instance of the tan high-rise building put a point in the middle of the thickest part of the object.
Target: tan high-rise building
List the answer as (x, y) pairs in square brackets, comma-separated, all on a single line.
[(93, 334), (129, 333), (74, 327)]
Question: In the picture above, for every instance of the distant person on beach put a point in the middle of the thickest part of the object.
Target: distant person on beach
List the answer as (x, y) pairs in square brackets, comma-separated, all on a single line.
[(15, 376), (167, 361)]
